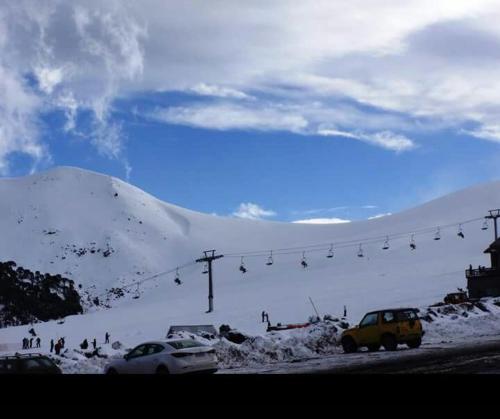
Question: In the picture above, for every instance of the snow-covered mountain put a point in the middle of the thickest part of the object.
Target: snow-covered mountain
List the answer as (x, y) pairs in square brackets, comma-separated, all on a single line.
[(102, 232)]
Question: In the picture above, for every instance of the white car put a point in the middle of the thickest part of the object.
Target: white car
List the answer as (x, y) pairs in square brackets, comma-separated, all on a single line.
[(172, 356)]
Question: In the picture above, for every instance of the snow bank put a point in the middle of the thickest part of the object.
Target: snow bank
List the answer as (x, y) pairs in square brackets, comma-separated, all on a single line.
[(292, 345), (76, 361), (461, 322), (321, 338)]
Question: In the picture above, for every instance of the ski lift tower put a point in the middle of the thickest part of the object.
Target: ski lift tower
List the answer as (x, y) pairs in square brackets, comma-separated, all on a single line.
[(209, 258), (494, 214)]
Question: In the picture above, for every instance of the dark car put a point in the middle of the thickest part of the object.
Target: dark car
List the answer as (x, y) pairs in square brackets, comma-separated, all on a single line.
[(28, 364)]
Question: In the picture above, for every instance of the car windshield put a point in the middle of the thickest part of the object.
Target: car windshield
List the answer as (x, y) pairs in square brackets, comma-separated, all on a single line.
[(183, 344), (369, 320)]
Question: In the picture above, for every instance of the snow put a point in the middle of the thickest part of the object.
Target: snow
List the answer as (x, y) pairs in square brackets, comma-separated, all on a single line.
[(46, 219)]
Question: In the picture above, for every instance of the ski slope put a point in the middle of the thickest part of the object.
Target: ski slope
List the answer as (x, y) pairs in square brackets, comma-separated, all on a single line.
[(45, 217)]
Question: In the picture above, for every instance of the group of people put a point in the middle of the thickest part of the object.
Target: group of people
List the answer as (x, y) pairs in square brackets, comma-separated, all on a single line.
[(85, 344), (59, 345), (480, 268), (28, 343)]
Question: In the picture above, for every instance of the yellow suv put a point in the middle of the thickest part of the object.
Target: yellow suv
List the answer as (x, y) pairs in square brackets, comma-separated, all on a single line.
[(387, 328)]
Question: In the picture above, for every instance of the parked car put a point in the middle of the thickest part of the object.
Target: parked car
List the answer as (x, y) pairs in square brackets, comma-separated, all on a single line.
[(172, 356), (386, 328), (28, 364)]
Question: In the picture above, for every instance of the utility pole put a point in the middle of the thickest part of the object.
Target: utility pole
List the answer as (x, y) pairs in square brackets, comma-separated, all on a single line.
[(209, 258), (494, 214)]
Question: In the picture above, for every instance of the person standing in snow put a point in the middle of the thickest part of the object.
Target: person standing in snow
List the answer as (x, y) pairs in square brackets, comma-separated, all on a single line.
[(57, 347), (31, 343), (263, 316), (62, 342), (38, 341), (106, 338), (24, 343), (94, 343), (84, 345), (51, 345)]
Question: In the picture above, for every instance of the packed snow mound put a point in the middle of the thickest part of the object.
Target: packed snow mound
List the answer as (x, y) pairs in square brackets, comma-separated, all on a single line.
[(104, 233)]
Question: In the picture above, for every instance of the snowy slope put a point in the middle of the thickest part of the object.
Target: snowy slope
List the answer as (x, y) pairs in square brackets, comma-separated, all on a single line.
[(47, 218)]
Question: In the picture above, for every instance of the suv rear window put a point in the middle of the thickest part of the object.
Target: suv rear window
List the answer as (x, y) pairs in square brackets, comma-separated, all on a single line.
[(183, 344), (388, 317), (406, 315)]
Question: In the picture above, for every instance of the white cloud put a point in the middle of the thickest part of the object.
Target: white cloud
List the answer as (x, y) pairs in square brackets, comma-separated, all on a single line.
[(406, 61), (489, 132), (48, 78), (80, 55), (18, 121), (218, 91), (384, 139), (307, 120), (322, 221), (227, 116), (252, 211), (379, 216)]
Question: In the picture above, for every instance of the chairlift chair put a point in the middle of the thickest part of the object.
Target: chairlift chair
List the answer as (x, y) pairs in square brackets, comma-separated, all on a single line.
[(485, 225), (360, 251), (437, 236), (460, 232), (137, 293), (303, 262), (242, 266), (270, 260), (177, 279), (386, 244), (413, 245), (330, 252)]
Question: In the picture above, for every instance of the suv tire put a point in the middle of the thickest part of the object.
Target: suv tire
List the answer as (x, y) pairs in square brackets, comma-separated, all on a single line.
[(373, 348), (349, 345), (389, 342), (415, 343)]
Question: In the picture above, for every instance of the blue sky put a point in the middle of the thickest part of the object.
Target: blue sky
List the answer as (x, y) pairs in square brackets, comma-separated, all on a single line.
[(257, 110)]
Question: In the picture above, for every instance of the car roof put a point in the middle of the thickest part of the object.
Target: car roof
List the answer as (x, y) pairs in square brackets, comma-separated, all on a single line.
[(23, 356), (394, 309), (162, 342)]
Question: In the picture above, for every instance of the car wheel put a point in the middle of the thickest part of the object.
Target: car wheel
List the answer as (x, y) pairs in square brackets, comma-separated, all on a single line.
[(163, 370), (373, 348), (389, 342), (415, 343), (349, 345), (111, 371)]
